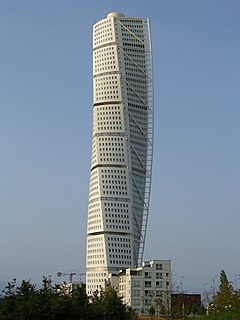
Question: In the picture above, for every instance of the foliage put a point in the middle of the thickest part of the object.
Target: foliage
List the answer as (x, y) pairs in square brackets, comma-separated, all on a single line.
[(107, 306), (27, 302), (224, 298), (226, 303), (151, 311)]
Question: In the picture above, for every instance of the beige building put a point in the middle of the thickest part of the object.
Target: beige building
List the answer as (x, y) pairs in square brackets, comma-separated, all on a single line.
[(149, 285)]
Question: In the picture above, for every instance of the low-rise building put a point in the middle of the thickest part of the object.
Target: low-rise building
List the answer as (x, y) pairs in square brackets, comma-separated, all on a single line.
[(185, 304), (145, 287)]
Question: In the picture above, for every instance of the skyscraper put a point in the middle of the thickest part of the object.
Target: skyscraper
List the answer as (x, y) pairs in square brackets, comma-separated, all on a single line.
[(122, 146)]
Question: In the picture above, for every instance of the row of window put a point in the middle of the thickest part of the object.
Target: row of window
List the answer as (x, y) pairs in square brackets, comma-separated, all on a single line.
[(109, 79), (119, 245), (113, 145), (119, 262), (112, 160), (95, 262), (120, 250), (95, 251), (119, 256), (102, 24), (101, 123), (107, 68), (117, 215), (119, 239), (94, 227), (115, 204), (104, 57), (114, 187), (104, 93), (93, 213), (93, 222), (94, 256), (101, 67), (95, 239), (97, 275), (123, 227), (115, 192), (103, 40), (109, 128), (109, 149), (104, 52), (106, 87), (114, 171), (104, 61)]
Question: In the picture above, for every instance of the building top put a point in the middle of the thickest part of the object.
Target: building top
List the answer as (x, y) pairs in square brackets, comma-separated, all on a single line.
[(115, 14)]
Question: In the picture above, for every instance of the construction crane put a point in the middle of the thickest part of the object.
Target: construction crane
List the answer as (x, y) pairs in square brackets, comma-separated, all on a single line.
[(70, 274)]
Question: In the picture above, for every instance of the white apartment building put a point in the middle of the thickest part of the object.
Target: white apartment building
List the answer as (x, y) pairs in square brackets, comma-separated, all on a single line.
[(146, 286), (122, 147)]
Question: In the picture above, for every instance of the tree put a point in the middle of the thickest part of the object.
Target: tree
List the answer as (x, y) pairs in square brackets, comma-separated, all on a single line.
[(55, 302), (225, 296), (151, 311), (224, 302), (107, 305), (8, 303), (26, 302), (79, 303)]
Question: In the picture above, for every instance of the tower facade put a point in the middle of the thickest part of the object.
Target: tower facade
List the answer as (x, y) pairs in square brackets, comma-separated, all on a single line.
[(122, 146)]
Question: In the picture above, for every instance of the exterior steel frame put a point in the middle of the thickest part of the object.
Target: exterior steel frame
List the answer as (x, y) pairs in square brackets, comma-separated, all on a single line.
[(150, 138), (150, 133)]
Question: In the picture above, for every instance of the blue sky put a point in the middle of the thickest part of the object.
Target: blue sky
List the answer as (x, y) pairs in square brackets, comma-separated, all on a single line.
[(46, 123)]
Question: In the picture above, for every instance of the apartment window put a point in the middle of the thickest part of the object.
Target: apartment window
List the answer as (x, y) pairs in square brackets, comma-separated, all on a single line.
[(148, 284), (136, 293), (136, 302), (159, 284), (136, 283), (158, 266), (148, 293), (147, 275)]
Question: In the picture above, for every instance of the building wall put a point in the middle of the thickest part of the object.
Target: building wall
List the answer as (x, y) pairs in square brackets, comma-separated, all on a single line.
[(117, 197), (147, 286), (184, 304)]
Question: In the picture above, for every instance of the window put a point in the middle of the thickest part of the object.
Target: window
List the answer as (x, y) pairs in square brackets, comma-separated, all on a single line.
[(147, 275), (158, 266), (136, 293), (136, 302), (148, 284), (159, 284)]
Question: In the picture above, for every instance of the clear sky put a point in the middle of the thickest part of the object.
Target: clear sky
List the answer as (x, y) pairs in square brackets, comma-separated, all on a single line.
[(46, 124)]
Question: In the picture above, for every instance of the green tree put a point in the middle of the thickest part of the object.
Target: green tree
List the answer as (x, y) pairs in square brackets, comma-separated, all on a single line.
[(79, 304), (107, 306), (8, 303), (55, 302), (224, 298), (151, 311), (26, 302), (223, 305)]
